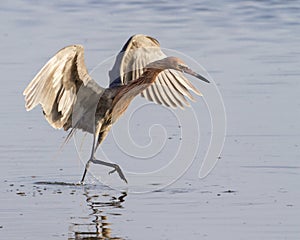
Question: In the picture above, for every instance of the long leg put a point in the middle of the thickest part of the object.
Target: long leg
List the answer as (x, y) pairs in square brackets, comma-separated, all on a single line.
[(87, 165), (116, 167)]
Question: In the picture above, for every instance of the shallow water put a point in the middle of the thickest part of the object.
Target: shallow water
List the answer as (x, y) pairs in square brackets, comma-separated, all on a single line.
[(252, 51)]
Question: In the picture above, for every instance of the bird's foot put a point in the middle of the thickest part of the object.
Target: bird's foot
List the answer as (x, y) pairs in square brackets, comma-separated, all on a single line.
[(115, 167), (119, 171), (81, 183)]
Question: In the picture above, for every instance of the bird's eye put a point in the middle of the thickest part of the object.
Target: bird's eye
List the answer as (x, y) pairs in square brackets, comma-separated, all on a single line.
[(182, 67)]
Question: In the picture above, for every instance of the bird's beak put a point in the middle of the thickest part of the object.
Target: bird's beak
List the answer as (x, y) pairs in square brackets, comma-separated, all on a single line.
[(191, 72)]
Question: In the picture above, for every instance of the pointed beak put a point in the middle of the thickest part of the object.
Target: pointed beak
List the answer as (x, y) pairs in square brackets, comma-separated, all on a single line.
[(191, 72)]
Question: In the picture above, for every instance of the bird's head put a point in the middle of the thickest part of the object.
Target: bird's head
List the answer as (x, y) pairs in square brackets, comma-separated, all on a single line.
[(176, 64)]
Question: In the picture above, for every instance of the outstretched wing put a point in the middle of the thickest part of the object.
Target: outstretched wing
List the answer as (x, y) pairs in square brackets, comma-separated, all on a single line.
[(170, 88), (57, 85)]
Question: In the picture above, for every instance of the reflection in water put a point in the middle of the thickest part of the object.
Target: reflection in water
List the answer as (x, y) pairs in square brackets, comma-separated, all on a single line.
[(98, 226)]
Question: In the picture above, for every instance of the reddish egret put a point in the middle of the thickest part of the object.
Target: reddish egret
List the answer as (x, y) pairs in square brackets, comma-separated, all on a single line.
[(71, 99)]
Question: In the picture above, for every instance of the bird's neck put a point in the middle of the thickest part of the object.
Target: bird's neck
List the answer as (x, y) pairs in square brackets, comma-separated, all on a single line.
[(149, 75), (135, 87), (128, 92)]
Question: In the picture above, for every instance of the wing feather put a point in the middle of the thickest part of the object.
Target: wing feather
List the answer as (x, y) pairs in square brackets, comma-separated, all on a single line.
[(172, 92), (162, 92), (168, 94), (170, 88), (56, 88)]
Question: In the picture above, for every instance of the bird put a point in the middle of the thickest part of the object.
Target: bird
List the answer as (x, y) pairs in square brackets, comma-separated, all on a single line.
[(72, 100)]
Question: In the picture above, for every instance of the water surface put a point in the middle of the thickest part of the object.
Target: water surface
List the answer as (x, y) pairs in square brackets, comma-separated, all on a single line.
[(252, 51)]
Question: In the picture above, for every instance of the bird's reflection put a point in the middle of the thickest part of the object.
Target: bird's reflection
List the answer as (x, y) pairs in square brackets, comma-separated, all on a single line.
[(98, 226)]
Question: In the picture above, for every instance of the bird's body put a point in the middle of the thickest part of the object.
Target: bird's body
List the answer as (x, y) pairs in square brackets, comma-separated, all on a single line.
[(71, 99)]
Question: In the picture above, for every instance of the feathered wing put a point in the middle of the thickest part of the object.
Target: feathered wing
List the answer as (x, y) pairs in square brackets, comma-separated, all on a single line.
[(62, 85), (170, 88)]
